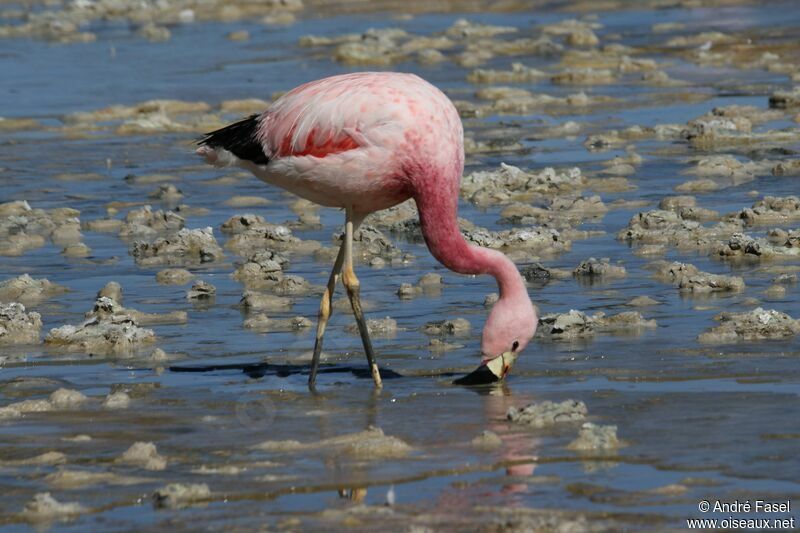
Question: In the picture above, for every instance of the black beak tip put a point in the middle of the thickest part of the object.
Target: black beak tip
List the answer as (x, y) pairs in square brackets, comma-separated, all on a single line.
[(480, 376)]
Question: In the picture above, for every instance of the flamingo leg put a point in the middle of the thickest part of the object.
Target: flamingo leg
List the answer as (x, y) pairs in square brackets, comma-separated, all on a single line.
[(352, 285), (325, 310)]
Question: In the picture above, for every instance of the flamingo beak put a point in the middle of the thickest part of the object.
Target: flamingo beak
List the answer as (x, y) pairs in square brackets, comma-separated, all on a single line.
[(501, 366), (490, 371)]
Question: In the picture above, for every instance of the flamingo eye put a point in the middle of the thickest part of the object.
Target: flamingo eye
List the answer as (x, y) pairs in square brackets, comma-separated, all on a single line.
[(515, 346)]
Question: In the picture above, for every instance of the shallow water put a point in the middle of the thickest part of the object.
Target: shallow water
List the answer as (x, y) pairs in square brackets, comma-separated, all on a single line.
[(717, 422)]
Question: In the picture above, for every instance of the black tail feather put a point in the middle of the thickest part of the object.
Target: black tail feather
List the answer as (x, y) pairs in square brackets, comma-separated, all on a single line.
[(240, 139)]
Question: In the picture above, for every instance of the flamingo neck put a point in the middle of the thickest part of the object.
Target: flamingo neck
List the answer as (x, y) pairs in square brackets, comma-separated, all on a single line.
[(438, 214)]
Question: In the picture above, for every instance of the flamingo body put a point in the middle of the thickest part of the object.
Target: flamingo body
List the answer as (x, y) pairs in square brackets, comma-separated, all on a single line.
[(368, 141), (350, 137)]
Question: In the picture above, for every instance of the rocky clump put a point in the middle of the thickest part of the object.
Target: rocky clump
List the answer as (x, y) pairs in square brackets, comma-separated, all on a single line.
[(262, 322), (174, 276), (785, 99), (201, 291), (562, 211), (369, 445), (118, 334), (167, 193), (59, 399), (143, 455), (385, 46), (66, 23), (509, 182), (76, 479), (595, 437), (292, 285), (755, 114), (179, 495), (578, 206), (44, 508), (188, 246), (690, 278), (109, 329), (725, 170), (519, 243), (247, 201), (23, 228), (619, 138), (576, 32), (756, 325), (778, 244), (369, 243), (670, 228), (108, 304), (268, 237), (428, 283), (28, 290), (104, 225), (456, 326), (67, 398), (144, 223), (642, 301), (538, 273), (500, 142), (487, 440), (789, 167), (76, 250), (576, 324), (708, 128), (676, 203), (547, 413), (775, 291), (112, 290), (253, 301), (47, 458), (149, 117), (687, 209), (381, 46), (698, 186), (584, 76), (241, 223), (733, 126), (395, 218), (479, 50), (17, 326), (463, 29), (517, 101), (154, 33), (593, 268), (117, 400), (518, 73), (786, 279), (263, 268), (16, 124), (377, 327), (771, 210)]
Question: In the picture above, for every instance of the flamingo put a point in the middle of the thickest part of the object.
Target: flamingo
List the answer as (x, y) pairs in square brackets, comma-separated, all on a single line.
[(364, 142)]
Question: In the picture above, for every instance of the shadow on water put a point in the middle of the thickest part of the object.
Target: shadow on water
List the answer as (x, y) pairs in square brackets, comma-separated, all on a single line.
[(260, 370)]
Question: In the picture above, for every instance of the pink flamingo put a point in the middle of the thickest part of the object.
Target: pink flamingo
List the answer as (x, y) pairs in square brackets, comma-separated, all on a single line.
[(365, 142)]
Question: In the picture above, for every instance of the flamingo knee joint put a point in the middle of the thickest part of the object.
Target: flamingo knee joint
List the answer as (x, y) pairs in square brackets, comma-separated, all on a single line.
[(350, 280)]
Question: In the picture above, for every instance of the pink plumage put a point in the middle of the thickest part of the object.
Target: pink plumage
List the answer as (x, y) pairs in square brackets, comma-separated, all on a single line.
[(368, 141)]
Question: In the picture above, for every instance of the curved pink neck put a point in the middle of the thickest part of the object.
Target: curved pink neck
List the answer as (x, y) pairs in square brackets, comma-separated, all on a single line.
[(438, 215)]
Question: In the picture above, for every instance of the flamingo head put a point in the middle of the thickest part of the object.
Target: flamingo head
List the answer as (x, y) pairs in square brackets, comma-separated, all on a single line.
[(509, 328)]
